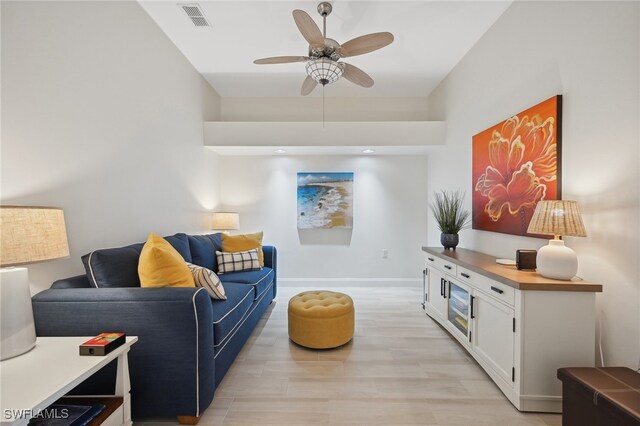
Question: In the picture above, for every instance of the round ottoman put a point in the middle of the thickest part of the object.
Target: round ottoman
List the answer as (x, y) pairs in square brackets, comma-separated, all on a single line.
[(321, 319)]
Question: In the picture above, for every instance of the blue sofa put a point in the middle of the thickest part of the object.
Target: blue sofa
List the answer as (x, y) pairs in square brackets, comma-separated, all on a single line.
[(187, 341)]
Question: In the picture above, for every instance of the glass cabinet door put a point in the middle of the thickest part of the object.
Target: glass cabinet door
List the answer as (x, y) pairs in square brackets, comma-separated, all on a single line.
[(458, 312)]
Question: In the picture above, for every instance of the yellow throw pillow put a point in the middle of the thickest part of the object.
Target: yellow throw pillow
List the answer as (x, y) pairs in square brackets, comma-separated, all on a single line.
[(236, 243), (161, 265)]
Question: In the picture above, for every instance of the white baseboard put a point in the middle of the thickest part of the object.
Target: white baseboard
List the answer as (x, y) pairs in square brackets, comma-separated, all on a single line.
[(349, 282)]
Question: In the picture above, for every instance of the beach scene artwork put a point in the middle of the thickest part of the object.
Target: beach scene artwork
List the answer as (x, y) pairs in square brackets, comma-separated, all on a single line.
[(325, 200)]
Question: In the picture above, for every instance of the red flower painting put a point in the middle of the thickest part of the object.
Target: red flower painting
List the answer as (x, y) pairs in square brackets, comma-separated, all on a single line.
[(515, 165)]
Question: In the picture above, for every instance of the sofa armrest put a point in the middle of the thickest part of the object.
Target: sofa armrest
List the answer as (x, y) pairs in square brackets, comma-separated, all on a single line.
[(271, 261), (171, 366), (79, 281), (270, 257)]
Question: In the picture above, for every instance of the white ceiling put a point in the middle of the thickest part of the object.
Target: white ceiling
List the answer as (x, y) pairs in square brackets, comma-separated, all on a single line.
[(430, 38)]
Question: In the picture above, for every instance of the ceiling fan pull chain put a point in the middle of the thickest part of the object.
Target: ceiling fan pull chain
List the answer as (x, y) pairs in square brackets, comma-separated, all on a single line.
[(323, 106)]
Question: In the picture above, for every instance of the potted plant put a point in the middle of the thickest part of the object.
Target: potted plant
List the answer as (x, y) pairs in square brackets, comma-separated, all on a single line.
[(450, 216)]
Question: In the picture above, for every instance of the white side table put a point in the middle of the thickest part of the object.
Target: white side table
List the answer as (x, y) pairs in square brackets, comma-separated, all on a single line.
[(33, 381)]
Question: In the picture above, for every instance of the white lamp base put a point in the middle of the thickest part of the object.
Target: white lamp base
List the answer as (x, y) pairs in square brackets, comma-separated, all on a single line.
[(557, 261), (17, 331)]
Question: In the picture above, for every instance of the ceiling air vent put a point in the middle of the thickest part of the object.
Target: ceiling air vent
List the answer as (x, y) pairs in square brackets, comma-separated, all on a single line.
[(195, 14)]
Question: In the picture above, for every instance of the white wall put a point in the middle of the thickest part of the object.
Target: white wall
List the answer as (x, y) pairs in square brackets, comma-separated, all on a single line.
[(390, 207), (102, 116), (390, 198), (589, 53)]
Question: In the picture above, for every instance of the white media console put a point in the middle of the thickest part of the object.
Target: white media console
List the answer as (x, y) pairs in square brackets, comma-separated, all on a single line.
[(519, 326)]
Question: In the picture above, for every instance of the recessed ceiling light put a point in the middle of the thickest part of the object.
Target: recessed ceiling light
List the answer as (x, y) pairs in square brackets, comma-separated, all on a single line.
[(280, 151), (368, 151)]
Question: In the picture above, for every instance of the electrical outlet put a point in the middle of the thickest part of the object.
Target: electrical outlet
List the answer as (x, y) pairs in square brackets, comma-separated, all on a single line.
[(385, 253)]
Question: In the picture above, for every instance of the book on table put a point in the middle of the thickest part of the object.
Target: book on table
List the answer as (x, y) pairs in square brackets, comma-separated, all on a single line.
[(102, 344)]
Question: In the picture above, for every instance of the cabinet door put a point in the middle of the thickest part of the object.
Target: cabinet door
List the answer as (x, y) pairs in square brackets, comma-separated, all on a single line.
[(458, 319), (436, 293), (493, 335), (425, 274)]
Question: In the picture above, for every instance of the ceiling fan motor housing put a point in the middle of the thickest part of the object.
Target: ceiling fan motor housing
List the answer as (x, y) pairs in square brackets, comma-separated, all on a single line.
[(329, 50)]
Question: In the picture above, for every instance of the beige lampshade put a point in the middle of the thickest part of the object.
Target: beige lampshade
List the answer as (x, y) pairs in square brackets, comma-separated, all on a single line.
[(32, 234), (225, 221), (557, 217)]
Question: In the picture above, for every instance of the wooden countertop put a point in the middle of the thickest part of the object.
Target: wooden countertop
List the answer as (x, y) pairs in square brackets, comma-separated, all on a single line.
[(522, 280)]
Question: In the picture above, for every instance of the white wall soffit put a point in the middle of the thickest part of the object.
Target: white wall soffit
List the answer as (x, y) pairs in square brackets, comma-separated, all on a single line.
[(301, 138)]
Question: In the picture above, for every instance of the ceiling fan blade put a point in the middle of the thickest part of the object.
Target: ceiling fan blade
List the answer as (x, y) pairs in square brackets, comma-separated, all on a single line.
[(308, 27), (365, 44), (280, 60), (357, 76), (308, 85)]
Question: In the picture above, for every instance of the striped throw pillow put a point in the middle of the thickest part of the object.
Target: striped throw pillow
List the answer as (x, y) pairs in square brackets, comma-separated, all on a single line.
[(208, 280), (239, 261)]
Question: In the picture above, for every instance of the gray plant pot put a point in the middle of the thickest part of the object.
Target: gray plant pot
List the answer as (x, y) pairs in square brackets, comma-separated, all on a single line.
[(449, 241)]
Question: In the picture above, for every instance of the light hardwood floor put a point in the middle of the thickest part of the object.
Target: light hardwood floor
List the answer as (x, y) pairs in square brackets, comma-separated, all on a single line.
[(401, 368)]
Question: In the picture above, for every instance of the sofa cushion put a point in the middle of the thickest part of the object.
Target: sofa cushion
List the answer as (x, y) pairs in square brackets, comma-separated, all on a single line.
[(228, 314), (259, 280), (236, 243), (118, 267), (161, 265), (203, 250), (180, 242), (113, 267)]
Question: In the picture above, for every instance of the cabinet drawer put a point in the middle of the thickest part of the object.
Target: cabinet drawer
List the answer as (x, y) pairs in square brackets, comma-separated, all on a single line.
[(441, 264), (431, 260), (496, 289)]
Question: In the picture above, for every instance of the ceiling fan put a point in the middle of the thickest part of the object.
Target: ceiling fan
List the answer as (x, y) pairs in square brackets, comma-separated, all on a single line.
[(323, 60)]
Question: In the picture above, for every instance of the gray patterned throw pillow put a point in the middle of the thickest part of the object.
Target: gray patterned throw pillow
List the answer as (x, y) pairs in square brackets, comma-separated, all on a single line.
[(208, 280)]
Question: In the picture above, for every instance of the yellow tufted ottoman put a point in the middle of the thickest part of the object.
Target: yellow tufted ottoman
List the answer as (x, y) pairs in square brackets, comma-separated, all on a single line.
[(321, 319)]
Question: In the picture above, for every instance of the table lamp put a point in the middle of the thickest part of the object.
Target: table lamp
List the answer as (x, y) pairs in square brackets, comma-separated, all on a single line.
[(557, 218), (225, 221), (28, 235)]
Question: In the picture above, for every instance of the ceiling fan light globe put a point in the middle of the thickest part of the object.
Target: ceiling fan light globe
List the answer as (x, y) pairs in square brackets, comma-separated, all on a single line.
[(324, 70)]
